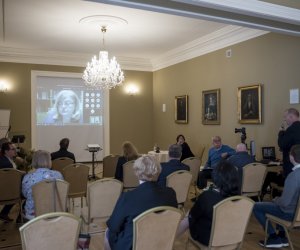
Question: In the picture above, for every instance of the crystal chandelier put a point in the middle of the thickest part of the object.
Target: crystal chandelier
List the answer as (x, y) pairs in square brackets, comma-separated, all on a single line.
[(103, 73)]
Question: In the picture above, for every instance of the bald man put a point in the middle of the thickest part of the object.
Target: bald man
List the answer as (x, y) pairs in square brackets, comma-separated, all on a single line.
[(288, 136), (241, 158)]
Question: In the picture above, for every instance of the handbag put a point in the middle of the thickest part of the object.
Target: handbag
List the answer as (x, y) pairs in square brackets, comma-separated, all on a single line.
[(84, 241)]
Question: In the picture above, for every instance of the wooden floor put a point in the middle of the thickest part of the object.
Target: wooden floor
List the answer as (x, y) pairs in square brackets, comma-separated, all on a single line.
[(10, 237)]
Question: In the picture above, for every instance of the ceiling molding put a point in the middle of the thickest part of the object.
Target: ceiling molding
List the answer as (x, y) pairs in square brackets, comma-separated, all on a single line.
[(217, 40), (251, 7), (285, 20), (222, 38)]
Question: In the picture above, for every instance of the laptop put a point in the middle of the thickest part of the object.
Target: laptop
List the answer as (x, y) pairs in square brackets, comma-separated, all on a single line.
[(268, 154)]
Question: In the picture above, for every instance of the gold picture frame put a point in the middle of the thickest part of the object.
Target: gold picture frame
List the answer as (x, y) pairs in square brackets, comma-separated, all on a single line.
[(181, 109), (249, 104), (211, 107)]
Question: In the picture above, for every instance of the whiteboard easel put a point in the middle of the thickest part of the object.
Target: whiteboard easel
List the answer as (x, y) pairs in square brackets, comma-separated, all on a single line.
[(4, 122)]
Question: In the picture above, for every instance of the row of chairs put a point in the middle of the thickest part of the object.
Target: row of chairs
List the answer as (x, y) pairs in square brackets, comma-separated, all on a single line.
[(154, 229), (102, 195)]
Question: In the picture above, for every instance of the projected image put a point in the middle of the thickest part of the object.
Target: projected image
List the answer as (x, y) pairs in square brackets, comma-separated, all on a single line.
[(68, 107)]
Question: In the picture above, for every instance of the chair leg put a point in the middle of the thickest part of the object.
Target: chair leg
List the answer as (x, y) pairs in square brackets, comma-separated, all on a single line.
[(266, 232), (81, 202), (288, 236), (21, 211), (187, 243)]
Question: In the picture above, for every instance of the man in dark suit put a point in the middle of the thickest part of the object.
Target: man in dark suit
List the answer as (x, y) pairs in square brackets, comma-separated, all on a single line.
[(147, 195), (172, 165), (8, 152), (63, 151)]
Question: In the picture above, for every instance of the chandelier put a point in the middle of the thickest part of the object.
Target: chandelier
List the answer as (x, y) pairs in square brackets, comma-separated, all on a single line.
[(103, 73)]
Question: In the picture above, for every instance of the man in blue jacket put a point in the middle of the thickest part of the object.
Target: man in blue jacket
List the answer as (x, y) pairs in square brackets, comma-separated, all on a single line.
[(172, 165), (216, 153)]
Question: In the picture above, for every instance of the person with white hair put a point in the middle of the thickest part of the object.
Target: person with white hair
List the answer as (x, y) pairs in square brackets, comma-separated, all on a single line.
[(147, 195), (41, 162)]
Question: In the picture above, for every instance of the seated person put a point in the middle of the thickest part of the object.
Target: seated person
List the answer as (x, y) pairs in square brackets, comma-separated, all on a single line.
[(240, 159), (41, 161), (63, 151), (282, 207), (129, 153), (2, 140), (186, 151), (8, 152), (199, 219), (216, 153), (172, 165), (132, 203)]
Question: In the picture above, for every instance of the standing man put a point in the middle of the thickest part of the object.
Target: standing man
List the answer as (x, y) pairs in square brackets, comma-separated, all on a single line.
[(216, 153), (288, 136), (63, 151), (172, 165), (282, 207)]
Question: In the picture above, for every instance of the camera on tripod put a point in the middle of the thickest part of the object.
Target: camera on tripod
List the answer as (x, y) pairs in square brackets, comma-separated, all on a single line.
[(243, 133)]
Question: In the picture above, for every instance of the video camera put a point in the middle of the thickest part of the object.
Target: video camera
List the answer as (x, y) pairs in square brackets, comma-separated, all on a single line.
[(243, 133)]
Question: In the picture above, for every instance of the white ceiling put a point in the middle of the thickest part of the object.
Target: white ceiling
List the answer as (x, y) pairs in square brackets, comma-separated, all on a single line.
[(49, 32)]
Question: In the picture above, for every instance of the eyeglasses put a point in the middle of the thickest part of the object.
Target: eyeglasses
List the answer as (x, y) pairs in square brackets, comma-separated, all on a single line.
[(13, 149), (66, 103)]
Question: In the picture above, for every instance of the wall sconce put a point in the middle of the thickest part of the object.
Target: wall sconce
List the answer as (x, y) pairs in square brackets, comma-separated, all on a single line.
[(3, 86), (131, 89)]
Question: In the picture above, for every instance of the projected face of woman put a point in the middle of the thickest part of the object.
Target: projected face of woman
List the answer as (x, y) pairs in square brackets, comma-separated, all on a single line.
[(66, 108)]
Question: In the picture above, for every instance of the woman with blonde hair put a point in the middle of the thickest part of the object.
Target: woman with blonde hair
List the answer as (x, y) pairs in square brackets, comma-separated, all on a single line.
[(66, 109), (129, 153)]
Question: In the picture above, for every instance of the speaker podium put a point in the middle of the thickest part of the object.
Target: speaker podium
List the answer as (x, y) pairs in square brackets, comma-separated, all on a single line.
[(93, 148)]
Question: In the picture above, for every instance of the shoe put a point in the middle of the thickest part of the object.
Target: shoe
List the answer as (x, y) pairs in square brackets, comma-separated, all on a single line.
[(5, 218), (272, 242), (284, 241)]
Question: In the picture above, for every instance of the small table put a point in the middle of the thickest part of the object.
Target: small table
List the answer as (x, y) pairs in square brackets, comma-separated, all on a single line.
[(162, 156)]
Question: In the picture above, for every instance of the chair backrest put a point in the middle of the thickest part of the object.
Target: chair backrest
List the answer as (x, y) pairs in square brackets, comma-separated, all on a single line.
[(253, 177), (230, 220), (130, 180), (10, 184), (50, 196), (180, 181), (296, 220), (194, 163), (156, 228), (201, 151), (77, 176), (51, 231), (60, 163), (102, 197), (109, 165)]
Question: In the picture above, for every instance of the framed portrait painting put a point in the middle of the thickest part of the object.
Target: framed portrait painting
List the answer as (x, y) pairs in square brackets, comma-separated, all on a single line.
[(249, 104), (181, 109), (211, 107)]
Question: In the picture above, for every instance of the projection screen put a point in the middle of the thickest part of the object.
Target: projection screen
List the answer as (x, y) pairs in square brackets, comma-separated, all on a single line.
[(62, 106)]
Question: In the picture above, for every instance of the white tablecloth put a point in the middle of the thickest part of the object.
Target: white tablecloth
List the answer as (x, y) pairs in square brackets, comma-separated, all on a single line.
[(162, 156)]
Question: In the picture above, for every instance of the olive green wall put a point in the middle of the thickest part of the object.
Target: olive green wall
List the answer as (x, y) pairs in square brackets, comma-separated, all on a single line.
[(272, 60), (130, 116)]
